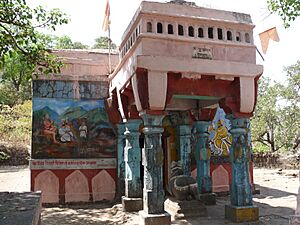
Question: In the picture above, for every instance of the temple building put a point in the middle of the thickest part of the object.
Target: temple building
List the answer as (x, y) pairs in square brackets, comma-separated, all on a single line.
[(183, 88)]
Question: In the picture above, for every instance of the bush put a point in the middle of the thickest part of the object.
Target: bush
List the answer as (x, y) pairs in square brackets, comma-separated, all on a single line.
[(15, 123)]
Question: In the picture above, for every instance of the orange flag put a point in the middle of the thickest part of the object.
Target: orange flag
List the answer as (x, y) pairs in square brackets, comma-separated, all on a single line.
[(106, 21), (266, 36)]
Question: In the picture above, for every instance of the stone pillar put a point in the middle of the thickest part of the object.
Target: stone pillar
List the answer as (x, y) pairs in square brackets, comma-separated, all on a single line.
[(202, 156), (132, 201), (184, 133), (121, 164), (241, 208), (152, 157)]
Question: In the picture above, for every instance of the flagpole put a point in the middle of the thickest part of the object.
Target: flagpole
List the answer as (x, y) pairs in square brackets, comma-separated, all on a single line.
[(109, 49)]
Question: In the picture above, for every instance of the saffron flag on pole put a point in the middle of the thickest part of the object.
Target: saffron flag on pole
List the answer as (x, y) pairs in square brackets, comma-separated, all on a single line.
[(106, 22), (266, 36)]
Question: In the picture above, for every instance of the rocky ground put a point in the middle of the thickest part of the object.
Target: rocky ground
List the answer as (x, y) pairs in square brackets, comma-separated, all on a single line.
[(277, 201)]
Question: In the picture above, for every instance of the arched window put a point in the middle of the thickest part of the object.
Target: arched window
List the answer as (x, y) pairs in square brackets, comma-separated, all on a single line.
[(211, 32), (238, 36), (247, 38), (159, 28), (170, 29), (229, 35), (200, 32), (220, 34), (149, 27), (191, 31), (180, 30), (136, 32)]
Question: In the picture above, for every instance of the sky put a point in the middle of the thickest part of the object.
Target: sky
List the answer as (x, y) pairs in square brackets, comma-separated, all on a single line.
[(87, 16)]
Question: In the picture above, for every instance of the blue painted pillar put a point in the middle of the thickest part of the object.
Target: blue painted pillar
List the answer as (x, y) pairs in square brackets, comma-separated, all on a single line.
[(241, 208), (240, 155), (132, 158), (153, 159), (202, 156), (121, 164), (184, 133)]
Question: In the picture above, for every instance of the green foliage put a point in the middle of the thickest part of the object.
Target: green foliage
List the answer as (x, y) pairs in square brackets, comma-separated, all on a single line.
[(18, 24), (103, 42), (288, 10), (17, 70), (4, 156), (15, 123), (62, 42), (276, 120), (65, 42), (9, 95)]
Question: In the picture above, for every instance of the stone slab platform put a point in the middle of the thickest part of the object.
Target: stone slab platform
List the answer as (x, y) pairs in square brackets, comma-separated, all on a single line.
[(154, 219), (240, 214), (208, 198), (22, 208), (132, 204), (184, 209)]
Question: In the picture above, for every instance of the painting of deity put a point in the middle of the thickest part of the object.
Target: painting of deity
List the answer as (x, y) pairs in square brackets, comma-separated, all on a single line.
[(220, 138), (67, 128)]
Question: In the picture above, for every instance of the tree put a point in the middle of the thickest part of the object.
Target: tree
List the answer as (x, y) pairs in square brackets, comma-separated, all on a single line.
[(276, 120), (266, 118), (65, 42), (103, 42), (79, 45), (288, 10), (18, 25), (17, 70), (292, 95)]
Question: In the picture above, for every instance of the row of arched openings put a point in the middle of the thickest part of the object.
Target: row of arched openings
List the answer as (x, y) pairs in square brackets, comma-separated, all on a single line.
[(192, 33)]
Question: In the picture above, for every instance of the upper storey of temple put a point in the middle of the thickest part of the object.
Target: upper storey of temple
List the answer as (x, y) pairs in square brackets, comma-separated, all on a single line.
[(184, 30), (178, 56)]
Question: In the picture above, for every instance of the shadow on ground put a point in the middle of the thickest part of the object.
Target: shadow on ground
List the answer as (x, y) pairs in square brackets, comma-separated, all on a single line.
[(106, 214)]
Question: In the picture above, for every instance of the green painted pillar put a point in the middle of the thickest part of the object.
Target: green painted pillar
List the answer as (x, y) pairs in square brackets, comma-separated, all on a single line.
[(184, 133), (241, 208), (153, 159), (132, 158), (121, 164), (202, 156)]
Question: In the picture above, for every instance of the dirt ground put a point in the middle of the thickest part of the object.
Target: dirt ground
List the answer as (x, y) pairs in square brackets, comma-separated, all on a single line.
[(277, 201)]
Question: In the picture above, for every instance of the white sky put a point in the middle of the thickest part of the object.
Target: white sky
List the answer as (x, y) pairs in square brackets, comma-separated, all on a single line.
[(87, 15)]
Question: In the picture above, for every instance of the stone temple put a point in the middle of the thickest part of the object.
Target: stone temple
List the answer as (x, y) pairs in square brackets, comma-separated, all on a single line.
[(183, 88)]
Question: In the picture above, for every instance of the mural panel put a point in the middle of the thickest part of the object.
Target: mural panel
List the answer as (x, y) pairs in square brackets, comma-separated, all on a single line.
[(68, 128), (220, 138)]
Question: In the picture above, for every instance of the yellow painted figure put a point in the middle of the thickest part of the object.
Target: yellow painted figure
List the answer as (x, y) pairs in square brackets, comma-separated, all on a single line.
[(222, 139)]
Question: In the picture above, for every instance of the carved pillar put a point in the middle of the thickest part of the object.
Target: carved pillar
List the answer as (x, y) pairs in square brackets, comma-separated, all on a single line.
[(132, 157), (121, 164), (202, 156), (184, 133), (240, 189), (152, 157)]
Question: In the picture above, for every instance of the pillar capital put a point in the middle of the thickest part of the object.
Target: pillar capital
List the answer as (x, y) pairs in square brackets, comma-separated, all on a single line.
[(152, 120), (121, 127), (132, 126), (202, 126)]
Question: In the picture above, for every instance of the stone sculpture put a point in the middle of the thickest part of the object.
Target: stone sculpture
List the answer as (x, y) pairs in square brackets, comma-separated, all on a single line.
[(182, 187)]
